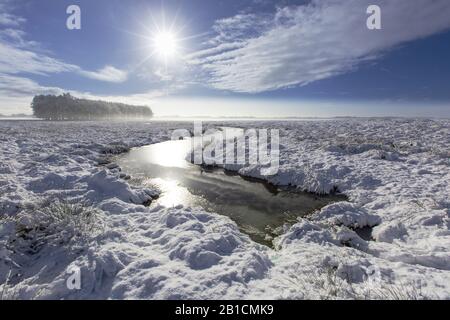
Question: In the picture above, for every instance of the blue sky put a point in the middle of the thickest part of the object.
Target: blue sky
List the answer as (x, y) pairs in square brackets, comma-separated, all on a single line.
[(233, 58)]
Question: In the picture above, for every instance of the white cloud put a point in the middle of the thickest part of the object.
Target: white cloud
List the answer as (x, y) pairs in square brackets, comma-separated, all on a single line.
[(17, 92), (19, 55), (14, 60), (108, 73), (197, 57), (13, 86), (10, 20), (7, 19), (298, 45)]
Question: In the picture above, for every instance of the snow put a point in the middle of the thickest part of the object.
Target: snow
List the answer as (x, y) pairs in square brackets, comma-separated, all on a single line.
[(395, 173)]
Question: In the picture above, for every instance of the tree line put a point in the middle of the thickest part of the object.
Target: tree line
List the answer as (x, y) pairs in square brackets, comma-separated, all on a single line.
[(67, 107)]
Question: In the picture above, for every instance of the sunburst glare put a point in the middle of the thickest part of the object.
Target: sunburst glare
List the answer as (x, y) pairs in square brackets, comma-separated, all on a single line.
[(163, 41), (165, 44)]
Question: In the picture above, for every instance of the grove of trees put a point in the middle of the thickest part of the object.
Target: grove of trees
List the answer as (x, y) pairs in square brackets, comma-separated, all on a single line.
[(67, 107)]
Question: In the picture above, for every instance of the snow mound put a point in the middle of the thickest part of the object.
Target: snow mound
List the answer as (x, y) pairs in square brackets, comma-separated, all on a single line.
[(347, 214), (390, 232), (105, 186)]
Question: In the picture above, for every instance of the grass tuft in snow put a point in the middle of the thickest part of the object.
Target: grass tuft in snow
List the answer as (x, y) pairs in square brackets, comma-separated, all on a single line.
[(325, 284), (114, 149), (51, 228), (56, 223)]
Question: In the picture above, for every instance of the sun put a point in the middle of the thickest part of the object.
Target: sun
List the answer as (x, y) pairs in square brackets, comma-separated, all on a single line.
[(164, 44)]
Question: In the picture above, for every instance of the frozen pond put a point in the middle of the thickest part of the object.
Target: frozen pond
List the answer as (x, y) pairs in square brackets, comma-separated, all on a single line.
[(259, 209)]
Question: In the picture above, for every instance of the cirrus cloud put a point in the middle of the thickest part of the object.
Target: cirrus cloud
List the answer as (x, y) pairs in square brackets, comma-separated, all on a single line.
[(298, 45), (108, 73)]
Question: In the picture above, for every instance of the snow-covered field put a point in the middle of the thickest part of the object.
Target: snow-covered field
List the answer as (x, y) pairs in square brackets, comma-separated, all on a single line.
[(395, 173)]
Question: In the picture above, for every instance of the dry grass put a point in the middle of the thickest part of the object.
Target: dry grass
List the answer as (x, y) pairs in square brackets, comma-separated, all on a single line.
[(326, 284), (53, 222)]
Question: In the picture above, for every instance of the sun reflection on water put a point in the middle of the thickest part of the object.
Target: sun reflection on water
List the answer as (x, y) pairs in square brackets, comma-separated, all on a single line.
[(172, 194), (171, 154)]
